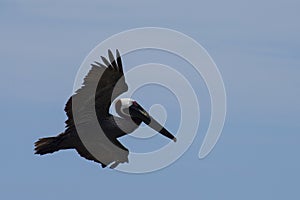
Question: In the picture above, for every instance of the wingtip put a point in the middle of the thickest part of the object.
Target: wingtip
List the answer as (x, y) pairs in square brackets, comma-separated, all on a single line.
[(110, 53), (119, 61), (112, 60)]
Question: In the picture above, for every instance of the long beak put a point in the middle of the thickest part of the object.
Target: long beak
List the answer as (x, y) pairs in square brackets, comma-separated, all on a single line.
[(137, 111)]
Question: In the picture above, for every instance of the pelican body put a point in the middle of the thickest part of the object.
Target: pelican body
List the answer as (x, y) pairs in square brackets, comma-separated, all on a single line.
[(102, 85)]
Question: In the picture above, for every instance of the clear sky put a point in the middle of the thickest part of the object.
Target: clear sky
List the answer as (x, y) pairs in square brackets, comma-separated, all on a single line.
[(256, 46)]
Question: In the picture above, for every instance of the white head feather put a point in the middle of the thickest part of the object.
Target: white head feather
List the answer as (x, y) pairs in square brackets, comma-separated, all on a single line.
[(122, 104)]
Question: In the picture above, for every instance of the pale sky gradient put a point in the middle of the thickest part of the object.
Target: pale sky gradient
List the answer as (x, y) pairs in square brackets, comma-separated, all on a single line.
[(256, 46)]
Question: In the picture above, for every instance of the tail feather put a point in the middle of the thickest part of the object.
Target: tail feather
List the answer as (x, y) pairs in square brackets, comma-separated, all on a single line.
[(50, 144)]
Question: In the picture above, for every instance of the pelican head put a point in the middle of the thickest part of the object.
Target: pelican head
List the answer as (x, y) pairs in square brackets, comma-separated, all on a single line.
[(129, 108)]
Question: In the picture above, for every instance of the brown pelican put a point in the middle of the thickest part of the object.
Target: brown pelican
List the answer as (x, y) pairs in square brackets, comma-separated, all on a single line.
[(108, 82)]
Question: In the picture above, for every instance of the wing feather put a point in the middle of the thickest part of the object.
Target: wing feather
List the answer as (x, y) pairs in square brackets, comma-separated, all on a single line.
[(119, 61), (107, 63), (112, 60), (102, 85)]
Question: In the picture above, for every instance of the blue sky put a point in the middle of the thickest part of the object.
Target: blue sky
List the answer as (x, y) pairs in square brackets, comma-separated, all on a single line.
[(256, 46)]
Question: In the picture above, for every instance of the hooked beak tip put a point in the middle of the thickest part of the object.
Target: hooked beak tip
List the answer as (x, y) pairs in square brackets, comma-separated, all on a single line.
[(137, 111)]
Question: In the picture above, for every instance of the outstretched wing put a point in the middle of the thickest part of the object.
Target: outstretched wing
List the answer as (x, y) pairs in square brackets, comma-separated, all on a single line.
[(103, 83), (90, 104)]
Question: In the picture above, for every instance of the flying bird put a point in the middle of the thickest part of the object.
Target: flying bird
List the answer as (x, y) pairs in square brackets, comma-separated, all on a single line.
[(89, 107)]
